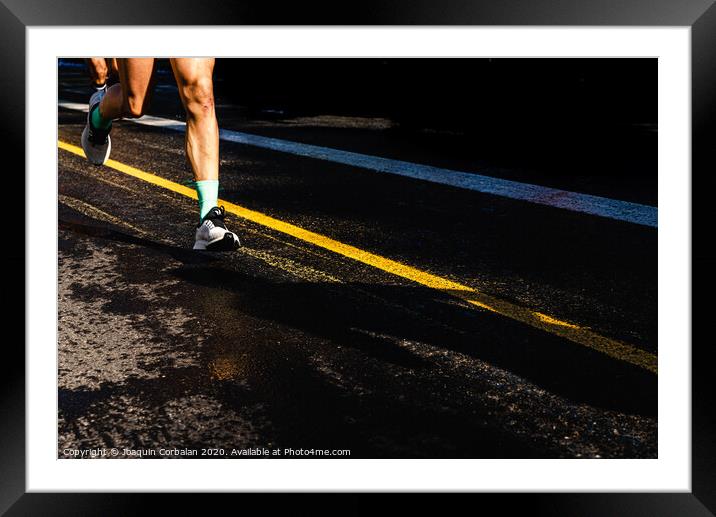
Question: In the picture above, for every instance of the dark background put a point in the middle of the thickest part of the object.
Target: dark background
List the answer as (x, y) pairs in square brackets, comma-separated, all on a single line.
[(584, 94), (542, 113)]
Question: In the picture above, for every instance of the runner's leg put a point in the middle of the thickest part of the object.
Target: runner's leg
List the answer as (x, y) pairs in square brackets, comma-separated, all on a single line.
[(98, 72), (196, 89), (128, 98), (195, 82)]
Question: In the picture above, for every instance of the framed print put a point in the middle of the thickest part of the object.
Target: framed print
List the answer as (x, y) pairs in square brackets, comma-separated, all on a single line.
[(400, 249)]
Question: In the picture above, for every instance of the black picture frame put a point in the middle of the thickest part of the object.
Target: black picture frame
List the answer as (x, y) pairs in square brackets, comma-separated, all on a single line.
[(700, 15)]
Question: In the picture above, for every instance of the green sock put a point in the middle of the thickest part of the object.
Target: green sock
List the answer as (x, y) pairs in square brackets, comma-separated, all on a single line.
[(98, 121), (208, 193)]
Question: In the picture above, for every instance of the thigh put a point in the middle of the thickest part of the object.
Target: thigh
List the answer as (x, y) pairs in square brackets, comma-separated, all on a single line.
[(135, 75)]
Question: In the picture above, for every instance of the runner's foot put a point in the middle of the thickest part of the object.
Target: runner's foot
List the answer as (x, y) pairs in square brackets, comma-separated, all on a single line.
[(212, 235), (95, 141)]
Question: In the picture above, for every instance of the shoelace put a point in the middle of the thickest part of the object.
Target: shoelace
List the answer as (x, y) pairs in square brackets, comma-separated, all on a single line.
[(220, 216)]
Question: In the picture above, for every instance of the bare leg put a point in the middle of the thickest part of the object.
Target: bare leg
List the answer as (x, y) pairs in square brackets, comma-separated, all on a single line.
[(130, 97), (196, 89), (98, 71)]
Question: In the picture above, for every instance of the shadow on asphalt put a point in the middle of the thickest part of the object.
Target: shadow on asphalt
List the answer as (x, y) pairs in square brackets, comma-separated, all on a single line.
[(183, 255), (376, 319), (302, 407), (373, 319)]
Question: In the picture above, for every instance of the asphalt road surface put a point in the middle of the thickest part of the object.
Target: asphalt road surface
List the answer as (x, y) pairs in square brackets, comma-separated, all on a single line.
[(515, 329)]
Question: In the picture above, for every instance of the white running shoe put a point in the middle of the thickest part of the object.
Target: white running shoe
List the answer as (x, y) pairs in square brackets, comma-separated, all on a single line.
[(96, 142), (212, 235)]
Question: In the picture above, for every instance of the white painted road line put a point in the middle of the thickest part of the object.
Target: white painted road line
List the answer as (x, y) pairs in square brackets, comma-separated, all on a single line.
[(576, 202)]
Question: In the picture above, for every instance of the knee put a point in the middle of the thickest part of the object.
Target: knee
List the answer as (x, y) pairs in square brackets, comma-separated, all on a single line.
[(135, 106), (199, 98)]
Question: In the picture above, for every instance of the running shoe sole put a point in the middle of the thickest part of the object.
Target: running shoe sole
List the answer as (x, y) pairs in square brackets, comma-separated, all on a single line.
[(95, 155)]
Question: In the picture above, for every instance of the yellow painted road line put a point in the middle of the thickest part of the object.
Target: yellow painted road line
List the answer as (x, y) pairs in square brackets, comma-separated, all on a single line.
[(567, 330)]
